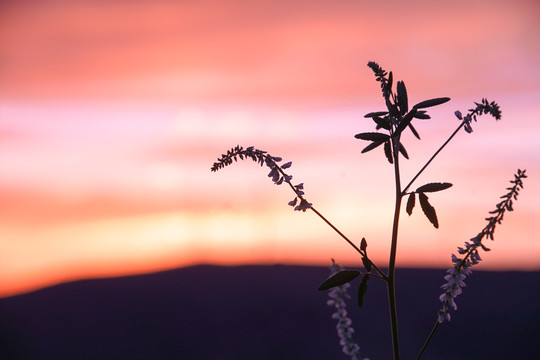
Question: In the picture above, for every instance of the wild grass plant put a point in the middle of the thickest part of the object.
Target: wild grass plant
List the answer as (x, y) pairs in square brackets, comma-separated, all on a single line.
[(390, 125)]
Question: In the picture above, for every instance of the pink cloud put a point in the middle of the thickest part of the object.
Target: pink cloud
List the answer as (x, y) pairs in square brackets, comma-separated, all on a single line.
[(213, 51)]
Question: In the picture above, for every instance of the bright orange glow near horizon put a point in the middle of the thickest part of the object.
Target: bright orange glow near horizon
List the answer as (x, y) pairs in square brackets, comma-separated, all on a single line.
[(112, 113)]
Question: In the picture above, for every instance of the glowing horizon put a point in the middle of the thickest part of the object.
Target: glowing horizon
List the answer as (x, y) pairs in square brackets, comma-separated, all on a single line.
[(111, 116)]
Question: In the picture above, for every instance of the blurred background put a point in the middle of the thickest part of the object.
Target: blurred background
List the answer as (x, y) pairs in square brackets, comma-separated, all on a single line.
[(112, 113)]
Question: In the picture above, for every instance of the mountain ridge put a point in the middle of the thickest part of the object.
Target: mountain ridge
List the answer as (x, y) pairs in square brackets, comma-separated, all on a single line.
[(265, 312)]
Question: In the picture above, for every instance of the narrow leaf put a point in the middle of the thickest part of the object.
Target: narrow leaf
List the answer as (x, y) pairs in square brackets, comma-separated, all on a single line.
[(415, 133), (429, 211), (373, 114), (382, 123), (339, 278), (389, 83), (410, 203), (432, 187), (431, 102), (363, 244), (403, 151), (388, 152), (422, 115), (371, 146), (367, 263), (402, 97), (392, 108), (372, 136), (362, 289), (405, 122)]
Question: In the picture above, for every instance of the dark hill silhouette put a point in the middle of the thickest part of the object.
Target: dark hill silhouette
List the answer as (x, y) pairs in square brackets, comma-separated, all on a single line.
[(265, 312)]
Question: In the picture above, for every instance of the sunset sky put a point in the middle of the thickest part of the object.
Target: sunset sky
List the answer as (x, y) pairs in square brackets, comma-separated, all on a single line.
[(112, 113)]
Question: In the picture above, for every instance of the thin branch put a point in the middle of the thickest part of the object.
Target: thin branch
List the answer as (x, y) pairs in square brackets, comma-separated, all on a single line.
[(433, 157), (381, 273), (428, 339)]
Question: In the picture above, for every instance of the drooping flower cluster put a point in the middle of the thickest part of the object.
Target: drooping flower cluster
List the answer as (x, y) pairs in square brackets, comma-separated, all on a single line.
[(303, 205), (238, 151), (455, 281), (345, 331), (485, 107), (455, 278), (277, 173)]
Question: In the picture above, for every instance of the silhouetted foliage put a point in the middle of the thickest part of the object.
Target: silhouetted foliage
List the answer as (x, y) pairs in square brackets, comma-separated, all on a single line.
[(389, 126)]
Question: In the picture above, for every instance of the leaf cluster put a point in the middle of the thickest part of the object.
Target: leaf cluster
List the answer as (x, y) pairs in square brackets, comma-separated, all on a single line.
[(427, 208), (397, 116)]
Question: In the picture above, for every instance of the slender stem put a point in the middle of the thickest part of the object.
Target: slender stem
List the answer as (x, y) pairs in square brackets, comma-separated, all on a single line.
[(337, 230), (433, 157), (381, 273), (428, 339), (393, 251)]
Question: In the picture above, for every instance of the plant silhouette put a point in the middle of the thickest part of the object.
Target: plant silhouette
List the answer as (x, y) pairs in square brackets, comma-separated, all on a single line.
[(389, 126)]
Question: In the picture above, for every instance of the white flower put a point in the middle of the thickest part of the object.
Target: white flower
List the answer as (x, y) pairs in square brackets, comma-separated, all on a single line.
[(455, 282), (345, 331)]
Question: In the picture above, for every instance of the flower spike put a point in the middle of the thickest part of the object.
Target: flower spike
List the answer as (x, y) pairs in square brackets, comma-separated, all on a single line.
[(455, 278)]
